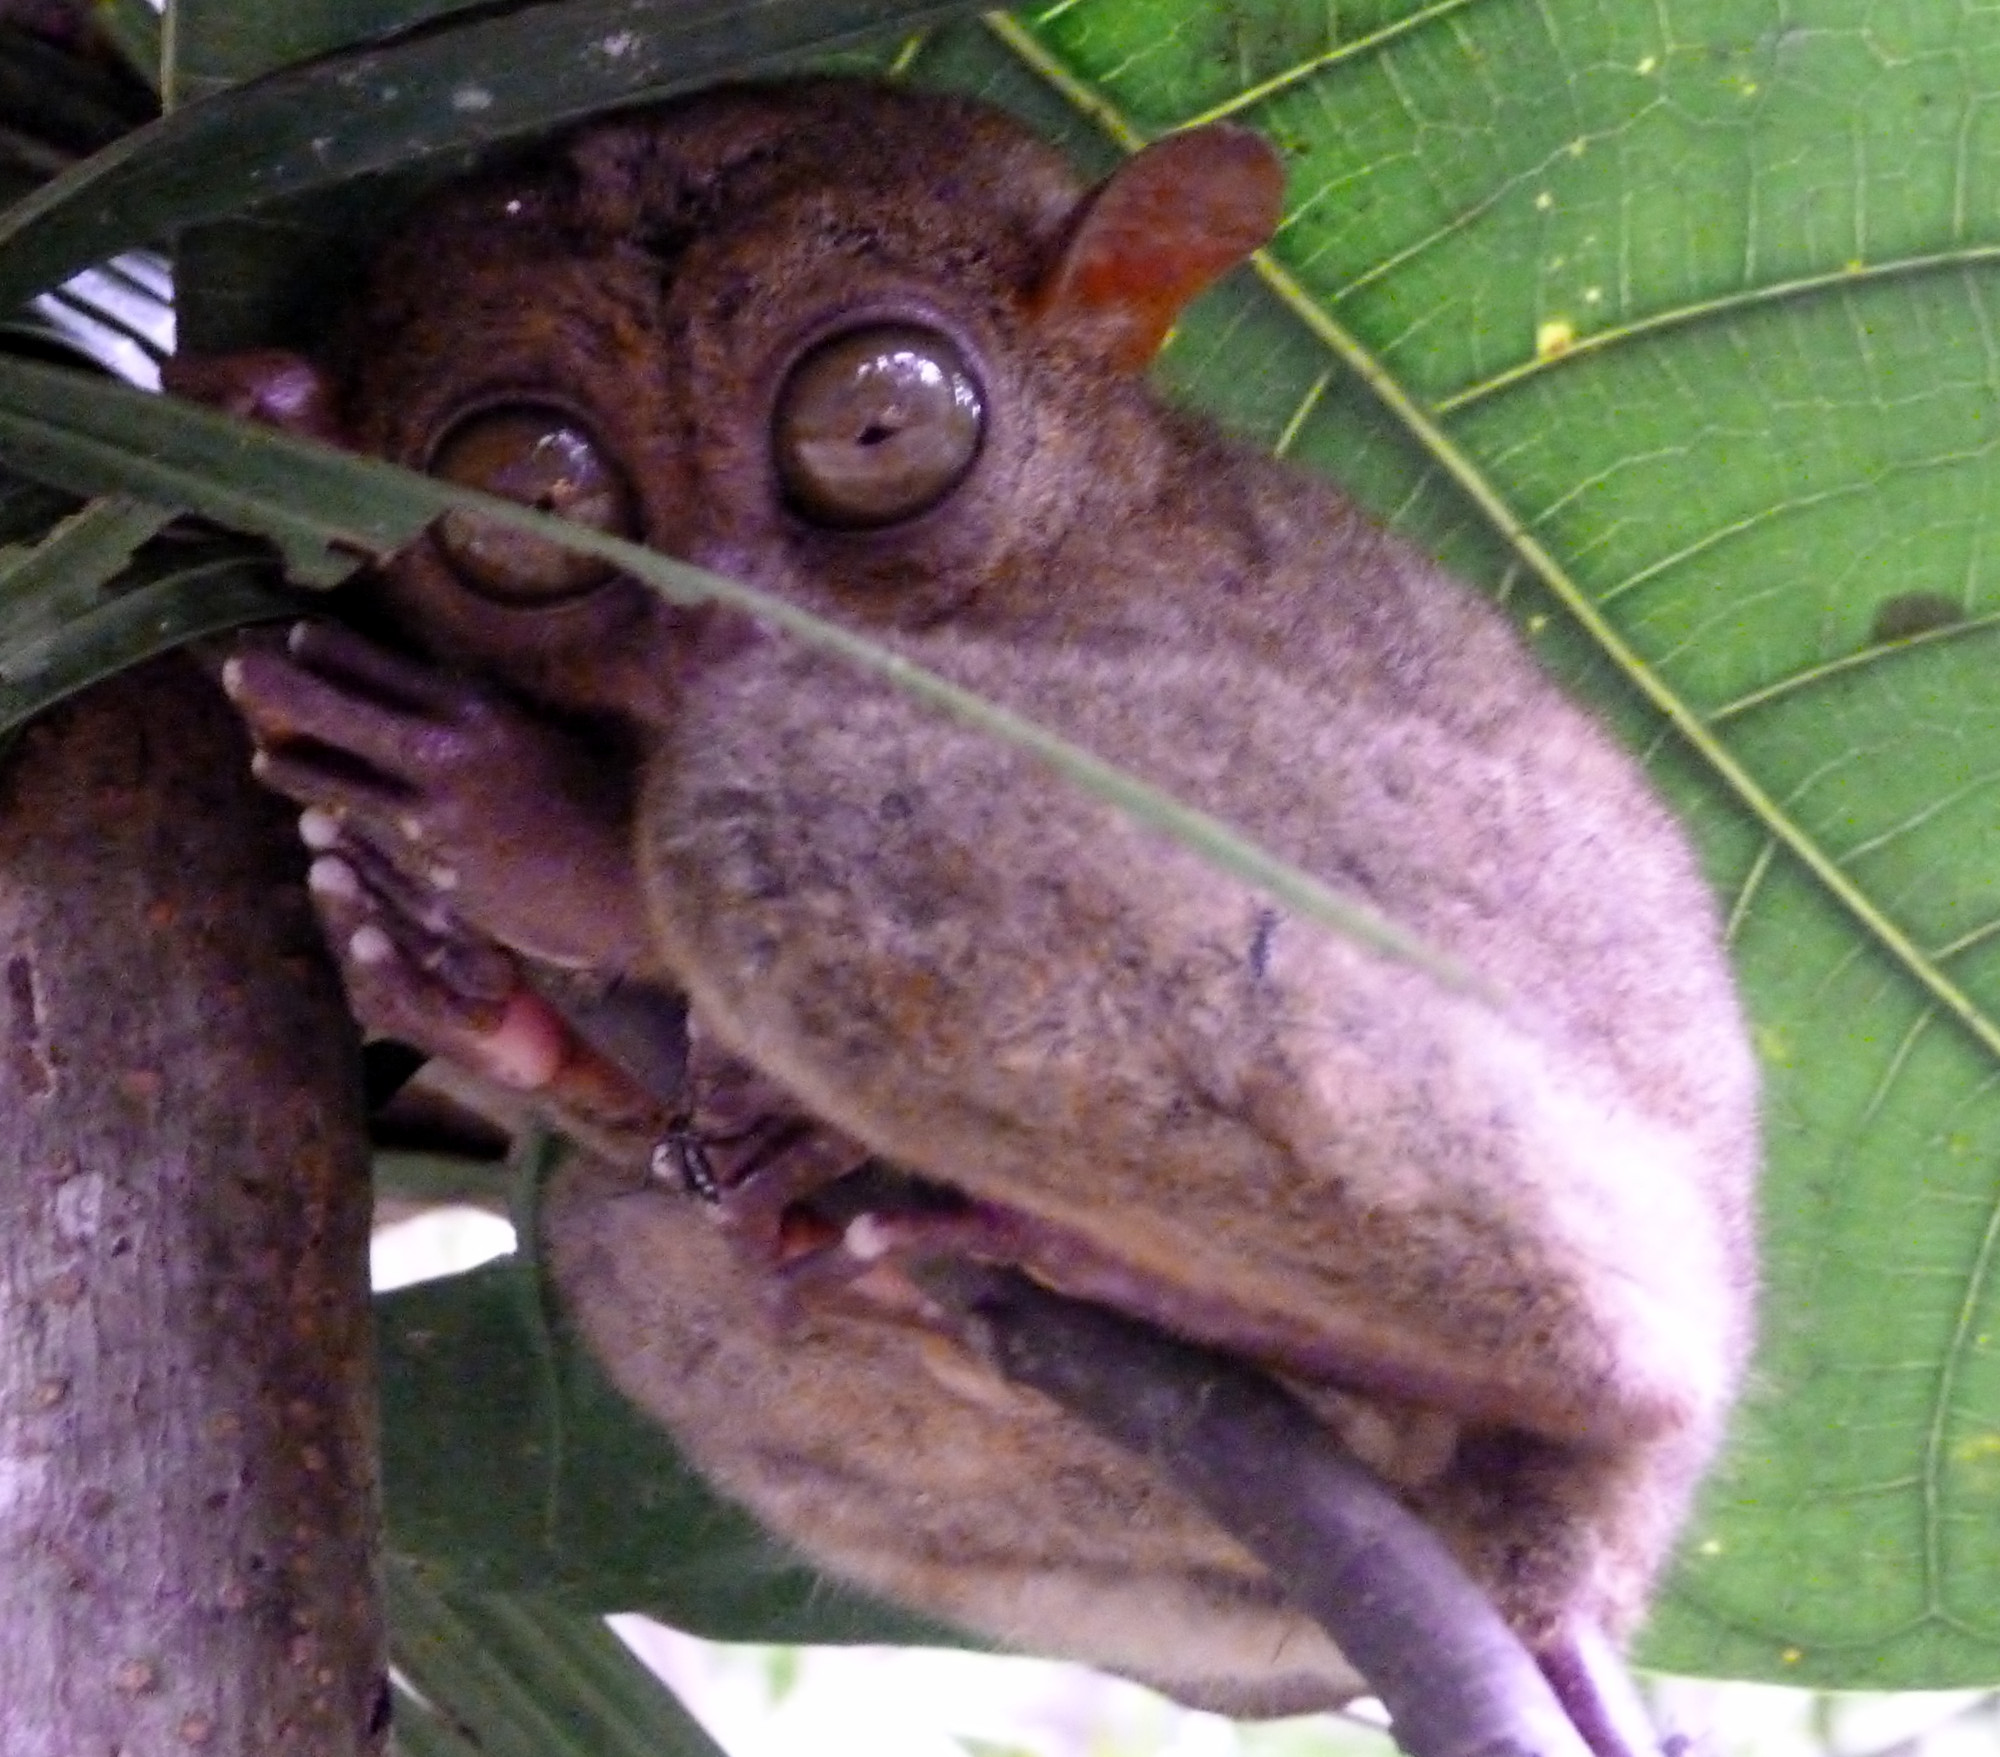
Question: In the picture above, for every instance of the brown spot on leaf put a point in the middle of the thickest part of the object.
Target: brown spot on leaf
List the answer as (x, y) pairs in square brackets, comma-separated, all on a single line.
[(1909, 614)]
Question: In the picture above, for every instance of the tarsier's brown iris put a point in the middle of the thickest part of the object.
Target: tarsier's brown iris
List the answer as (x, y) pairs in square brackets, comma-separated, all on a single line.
[(876, 425), (545, 458), (872, 426)]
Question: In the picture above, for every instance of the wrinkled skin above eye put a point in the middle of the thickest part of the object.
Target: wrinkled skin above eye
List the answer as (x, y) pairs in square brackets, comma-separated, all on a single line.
[(543, 457), (876, 426)]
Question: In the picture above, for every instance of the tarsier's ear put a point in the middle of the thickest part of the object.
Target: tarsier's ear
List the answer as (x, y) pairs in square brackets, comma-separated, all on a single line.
[(282, 390), (1157, 231)]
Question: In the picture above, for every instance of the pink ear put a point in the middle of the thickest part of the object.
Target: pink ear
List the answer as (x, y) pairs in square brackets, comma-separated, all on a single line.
[(282, 390), (1158, 230)]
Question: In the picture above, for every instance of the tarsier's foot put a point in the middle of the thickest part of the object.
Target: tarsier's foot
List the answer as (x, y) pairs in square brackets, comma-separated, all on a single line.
[(831, 1228), (416, 973), (826, 1225)]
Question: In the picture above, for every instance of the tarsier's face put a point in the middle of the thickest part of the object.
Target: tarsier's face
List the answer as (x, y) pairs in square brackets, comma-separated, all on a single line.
[(879, 353), (711, 356)]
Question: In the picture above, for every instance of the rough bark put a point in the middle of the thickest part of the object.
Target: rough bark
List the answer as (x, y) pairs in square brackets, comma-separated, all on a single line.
[(187, 1445)]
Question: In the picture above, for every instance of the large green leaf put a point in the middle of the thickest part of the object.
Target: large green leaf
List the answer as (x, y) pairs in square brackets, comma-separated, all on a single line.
[(510, 1464), (522, 1677)]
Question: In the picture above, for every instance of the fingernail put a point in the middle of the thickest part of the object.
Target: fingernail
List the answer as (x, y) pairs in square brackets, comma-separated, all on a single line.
[(296, 637), (319, 828), (331, 877), (232, 677), (371, 947)]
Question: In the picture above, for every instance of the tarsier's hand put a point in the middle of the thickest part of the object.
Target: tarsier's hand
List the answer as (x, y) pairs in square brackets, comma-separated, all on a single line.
[(416, 973), (465, 807), (398, 766)]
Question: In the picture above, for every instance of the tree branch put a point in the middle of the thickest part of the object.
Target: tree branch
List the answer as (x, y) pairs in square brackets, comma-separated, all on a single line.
[(187, 1458), (1456, 1680)]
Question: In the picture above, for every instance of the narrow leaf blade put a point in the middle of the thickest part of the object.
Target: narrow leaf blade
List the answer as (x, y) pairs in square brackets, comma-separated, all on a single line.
[(322, 502), (398, 106)]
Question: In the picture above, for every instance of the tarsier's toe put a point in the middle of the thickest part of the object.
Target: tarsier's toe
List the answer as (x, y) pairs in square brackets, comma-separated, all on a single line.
[(418, 895), (450, 996), (332, 651), (786, 1189), (825, 1225)]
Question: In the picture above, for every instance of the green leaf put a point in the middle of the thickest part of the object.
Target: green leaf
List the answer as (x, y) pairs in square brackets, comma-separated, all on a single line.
[(219, 43), (132, 28), (140, 616), (435, 95), (1674, 324), (77, 606), (58, 578), (414, 1175), (520, 1677), (510, 1464)]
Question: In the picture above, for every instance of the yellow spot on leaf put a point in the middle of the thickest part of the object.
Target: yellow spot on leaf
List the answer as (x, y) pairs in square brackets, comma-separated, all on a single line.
[(1544, 201), (1979, 1448), (1791, 1656), (1774, 1046), (1554, 336), (1593, 295), (1647, 63)]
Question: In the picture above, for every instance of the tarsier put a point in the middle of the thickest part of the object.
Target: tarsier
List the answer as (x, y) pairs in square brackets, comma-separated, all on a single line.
[(882, 353)]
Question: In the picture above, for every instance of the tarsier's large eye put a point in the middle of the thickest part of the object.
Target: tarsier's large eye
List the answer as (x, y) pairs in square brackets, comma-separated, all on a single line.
[(876, 425), (543, 457)]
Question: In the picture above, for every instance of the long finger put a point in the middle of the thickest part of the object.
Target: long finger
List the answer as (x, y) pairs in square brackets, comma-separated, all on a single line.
[(286, 703), (515, 1038), (338, 653)]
